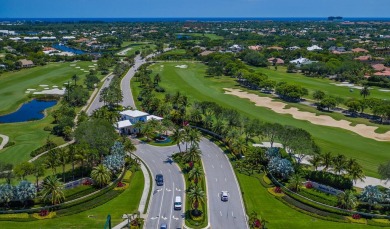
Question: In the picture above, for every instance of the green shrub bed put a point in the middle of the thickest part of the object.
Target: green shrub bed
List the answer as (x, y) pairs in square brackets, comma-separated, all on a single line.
[(319, 196)]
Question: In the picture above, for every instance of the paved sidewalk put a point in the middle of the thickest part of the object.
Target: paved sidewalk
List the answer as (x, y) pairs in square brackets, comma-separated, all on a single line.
[(144, 198), (4, 142)]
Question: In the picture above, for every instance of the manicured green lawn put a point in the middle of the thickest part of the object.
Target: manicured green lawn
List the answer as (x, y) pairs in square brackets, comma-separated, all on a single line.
[(279, 215), (27, 136), (13, 85), (127, 202), (209, 35), (192, 82), (137, 46), (176, 51), (325, 85)]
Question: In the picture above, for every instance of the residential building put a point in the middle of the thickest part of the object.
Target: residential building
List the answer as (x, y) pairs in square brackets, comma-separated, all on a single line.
[(357, 50), (26, 63), (314, 48), (302, 61), (276, 61), (129, 118)]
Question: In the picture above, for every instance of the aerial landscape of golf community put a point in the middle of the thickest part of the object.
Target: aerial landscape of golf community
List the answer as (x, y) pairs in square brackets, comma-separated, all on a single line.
[(239, 115)]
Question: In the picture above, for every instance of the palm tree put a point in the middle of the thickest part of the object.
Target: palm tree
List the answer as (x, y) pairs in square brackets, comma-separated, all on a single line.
[(354, 170), (347, 200), (38, 171), (63, 158), (327, 160), (195, 195), (51, 160), (193, 155), (218, 127), (194, 137), (52, 190), (231, 135), (178, 136), (316, 161), (239, 146), (72, 157), (81, 157), (195, 174), (339, 163), (365, 91), (295, 181), (101, 175)]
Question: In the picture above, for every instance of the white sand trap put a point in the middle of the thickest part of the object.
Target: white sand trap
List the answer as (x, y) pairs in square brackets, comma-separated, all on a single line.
[(27, 92), (91, 66), (30, 89), (77, 67), (66, 83), (161, 66), (54, 91), (46, 88), (384, 90), (55, 86), (72, 65), (323, 120), (43, 85), (181, 66), (95, 64), (86, 71), (344, 84)]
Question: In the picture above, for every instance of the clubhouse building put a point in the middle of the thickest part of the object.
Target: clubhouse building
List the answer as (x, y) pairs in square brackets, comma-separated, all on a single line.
[(129, 118)]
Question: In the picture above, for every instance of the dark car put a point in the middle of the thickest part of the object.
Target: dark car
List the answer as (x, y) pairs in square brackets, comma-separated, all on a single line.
[(159, 180), (163, 226)]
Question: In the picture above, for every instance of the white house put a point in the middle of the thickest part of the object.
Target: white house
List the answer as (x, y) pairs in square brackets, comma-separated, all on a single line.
[(302, 61), (130, 117), (314, 48)]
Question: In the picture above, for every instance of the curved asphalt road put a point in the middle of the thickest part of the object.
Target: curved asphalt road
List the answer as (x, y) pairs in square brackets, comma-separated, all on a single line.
[(220, 177), (161, 203), (96, 104)]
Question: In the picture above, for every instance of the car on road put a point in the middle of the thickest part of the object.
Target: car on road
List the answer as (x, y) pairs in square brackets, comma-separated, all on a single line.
[(163, 226), (177, 203), (224, 195), (159, 179)]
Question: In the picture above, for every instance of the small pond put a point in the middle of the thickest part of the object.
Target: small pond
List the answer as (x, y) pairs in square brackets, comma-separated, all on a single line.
[(68, 49), (32, 110)]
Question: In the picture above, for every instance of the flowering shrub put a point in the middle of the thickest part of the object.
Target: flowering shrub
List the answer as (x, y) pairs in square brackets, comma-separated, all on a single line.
[(280, 167), (257, 223), (277, 190), (43, 213), (309, 185), (356, 216), (87, 182), (120, 184)]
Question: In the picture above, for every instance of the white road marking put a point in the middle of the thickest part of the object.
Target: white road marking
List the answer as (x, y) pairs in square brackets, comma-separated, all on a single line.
[(158, 190), (173, 217), (169, 170), (158, 223), (225, 179), (221, 166), (212, 166), (232, 214), (154, 218), (164, 218), (216, 179), (220, 213), (178, 189), (168, 190), (173, 194)]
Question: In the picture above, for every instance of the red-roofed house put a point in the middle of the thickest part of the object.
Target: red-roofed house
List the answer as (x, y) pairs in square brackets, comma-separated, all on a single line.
[(357, 50), (364, 58), (276, 61), (255, 47), (275, 48)]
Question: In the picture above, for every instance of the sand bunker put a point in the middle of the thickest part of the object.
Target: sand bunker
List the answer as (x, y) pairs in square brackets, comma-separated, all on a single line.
[(323, 120), (30, 89), (384, 90), (54, 91), (181, 66), (43, 85)]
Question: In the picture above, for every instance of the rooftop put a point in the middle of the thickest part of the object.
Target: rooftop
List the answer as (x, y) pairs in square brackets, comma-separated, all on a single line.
[(134, 113)]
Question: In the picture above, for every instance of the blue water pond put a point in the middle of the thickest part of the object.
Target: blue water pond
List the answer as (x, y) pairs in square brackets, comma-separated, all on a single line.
[(32, 110)]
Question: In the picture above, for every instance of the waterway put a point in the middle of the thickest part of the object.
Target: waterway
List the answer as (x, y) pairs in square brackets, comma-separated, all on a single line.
[(30, 111), (65, 48)]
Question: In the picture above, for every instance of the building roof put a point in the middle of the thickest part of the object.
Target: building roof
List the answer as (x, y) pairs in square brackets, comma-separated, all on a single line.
[(359, 50), (363, 58), (275, 48), (276, 60), (134, 113), (26, 62), (314, 47), (255, 47), (150, 117), (205, 53), (123, 124)]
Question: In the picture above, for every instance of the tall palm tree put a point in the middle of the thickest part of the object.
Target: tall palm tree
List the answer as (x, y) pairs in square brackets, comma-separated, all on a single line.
[(347, 200), (195, 174), (194, 137), (327, 160), (218, 127), (52, 161), (81, 157), (365, 91), (63, 158), (239, 146), (196, 194), (355, 170), (52, 190), (316, 161), (295, 181), (193, 155), (231, 135), (178, 136), (38, 171), (101, 175), (72, 157), (339, 163)]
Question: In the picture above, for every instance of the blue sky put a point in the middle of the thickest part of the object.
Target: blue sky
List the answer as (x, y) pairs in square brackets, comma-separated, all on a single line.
[(192, 8)]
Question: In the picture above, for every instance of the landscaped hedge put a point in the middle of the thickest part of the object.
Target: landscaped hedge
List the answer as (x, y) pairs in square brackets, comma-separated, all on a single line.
[(330, 179), (319, 197), (46, 147)]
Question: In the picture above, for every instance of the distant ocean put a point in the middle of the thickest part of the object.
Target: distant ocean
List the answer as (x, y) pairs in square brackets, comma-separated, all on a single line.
[(287, 19)]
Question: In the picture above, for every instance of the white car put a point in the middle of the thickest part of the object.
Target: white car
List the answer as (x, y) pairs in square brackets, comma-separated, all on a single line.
[(224, 195)]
